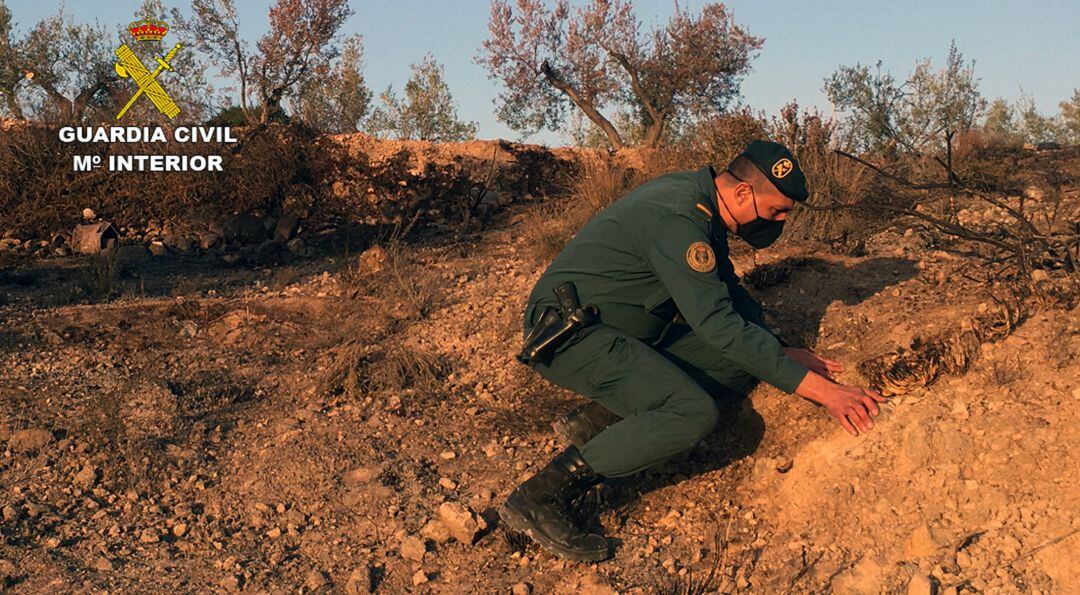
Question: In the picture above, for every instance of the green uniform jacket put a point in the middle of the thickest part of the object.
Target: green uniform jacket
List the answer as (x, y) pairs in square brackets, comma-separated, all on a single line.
[(633, 261)]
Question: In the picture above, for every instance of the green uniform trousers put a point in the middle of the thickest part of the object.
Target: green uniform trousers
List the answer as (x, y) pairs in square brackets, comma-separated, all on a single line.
[(663, 392)]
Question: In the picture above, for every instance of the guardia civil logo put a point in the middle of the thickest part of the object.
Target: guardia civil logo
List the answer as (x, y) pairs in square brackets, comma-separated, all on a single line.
[(131, 67), (782, 168)]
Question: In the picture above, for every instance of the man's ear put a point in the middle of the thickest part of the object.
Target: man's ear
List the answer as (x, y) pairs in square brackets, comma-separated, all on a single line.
[(743, 193)]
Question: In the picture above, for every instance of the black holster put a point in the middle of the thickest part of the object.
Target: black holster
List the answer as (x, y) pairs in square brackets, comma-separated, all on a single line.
[(555, 326)]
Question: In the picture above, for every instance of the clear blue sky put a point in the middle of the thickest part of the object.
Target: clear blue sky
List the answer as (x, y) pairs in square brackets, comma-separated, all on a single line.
[(1033, 45)]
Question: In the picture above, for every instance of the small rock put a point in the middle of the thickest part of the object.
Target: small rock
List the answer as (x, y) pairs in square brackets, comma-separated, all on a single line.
[(103, 564), (149, 535), (1039, 275), (179, 242), (158, 248), (419, 578), (316, 579), (521, 589), (412, 548), (463, 525), (295, 245), (358, 476), (447, 483), (88, 214), (448, 455), (436, 531), (86, 478), (359, 581), (30, 439), (209, 239), (232, 582), (372, 260), (179, 529), (921, 543)]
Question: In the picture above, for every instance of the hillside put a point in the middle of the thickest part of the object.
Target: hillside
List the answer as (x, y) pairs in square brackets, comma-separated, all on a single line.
[(346, 417)]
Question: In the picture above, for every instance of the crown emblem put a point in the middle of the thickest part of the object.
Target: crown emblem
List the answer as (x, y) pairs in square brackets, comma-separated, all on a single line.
[(148, 30)]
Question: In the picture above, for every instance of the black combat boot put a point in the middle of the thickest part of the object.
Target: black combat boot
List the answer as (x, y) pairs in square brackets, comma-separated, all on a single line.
[(540, 509), (583, 423)]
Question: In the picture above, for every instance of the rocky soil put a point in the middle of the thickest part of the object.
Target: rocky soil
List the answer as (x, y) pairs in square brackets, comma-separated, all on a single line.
[(343, 422)]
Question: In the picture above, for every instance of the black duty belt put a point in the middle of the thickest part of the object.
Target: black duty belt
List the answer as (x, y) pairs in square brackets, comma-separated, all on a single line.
[(556, 326)]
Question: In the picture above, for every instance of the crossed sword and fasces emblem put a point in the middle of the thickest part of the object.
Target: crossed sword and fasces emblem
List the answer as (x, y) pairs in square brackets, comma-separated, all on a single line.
[(131, 66)]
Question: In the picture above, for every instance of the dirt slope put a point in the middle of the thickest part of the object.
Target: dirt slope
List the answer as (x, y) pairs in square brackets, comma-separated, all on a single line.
[(184, 438)]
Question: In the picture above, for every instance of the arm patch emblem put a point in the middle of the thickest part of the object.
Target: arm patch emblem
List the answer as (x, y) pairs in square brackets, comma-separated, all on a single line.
[(700, 257)]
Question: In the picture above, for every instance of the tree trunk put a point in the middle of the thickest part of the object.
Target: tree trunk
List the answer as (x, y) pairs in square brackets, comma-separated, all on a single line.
[(590, 112), (654, 134), (82, 100), (271, 105), (241, 68)]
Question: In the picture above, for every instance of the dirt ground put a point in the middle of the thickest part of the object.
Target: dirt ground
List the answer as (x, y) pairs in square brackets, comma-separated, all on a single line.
[(192, 435)]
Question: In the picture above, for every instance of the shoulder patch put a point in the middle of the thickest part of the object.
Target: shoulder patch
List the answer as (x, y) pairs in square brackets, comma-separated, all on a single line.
[(700, 257)]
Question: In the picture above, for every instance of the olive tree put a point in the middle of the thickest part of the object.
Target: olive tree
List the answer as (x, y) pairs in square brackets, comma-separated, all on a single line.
[(337, 98), (300, 42), (928, 109), (597, 58), (69, 63), (426, 112)]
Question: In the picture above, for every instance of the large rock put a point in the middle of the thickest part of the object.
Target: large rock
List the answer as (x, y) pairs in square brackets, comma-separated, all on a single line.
[(286, 227), (244, 229), (462, 523), (29, 439), (177, 238), (209, 239)]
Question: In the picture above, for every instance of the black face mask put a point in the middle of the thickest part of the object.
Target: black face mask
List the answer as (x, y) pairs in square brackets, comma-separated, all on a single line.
[(760, 232)]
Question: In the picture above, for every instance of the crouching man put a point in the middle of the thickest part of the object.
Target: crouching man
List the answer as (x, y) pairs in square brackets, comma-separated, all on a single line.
[(665, 324)]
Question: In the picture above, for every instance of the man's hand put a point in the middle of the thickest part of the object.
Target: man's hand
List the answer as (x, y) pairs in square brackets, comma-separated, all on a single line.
[(819, 365), (852, 406)]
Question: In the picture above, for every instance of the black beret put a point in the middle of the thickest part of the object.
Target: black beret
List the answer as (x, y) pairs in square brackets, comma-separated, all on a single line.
[(779, 166)]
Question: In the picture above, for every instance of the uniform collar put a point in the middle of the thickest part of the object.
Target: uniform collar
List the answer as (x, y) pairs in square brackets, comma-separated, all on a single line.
[(706, 178)]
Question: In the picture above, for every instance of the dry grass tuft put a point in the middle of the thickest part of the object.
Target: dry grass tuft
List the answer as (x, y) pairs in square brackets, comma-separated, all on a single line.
[(1004, 373), (414, 287), (374, 354), (407, 368), (361, 368)]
